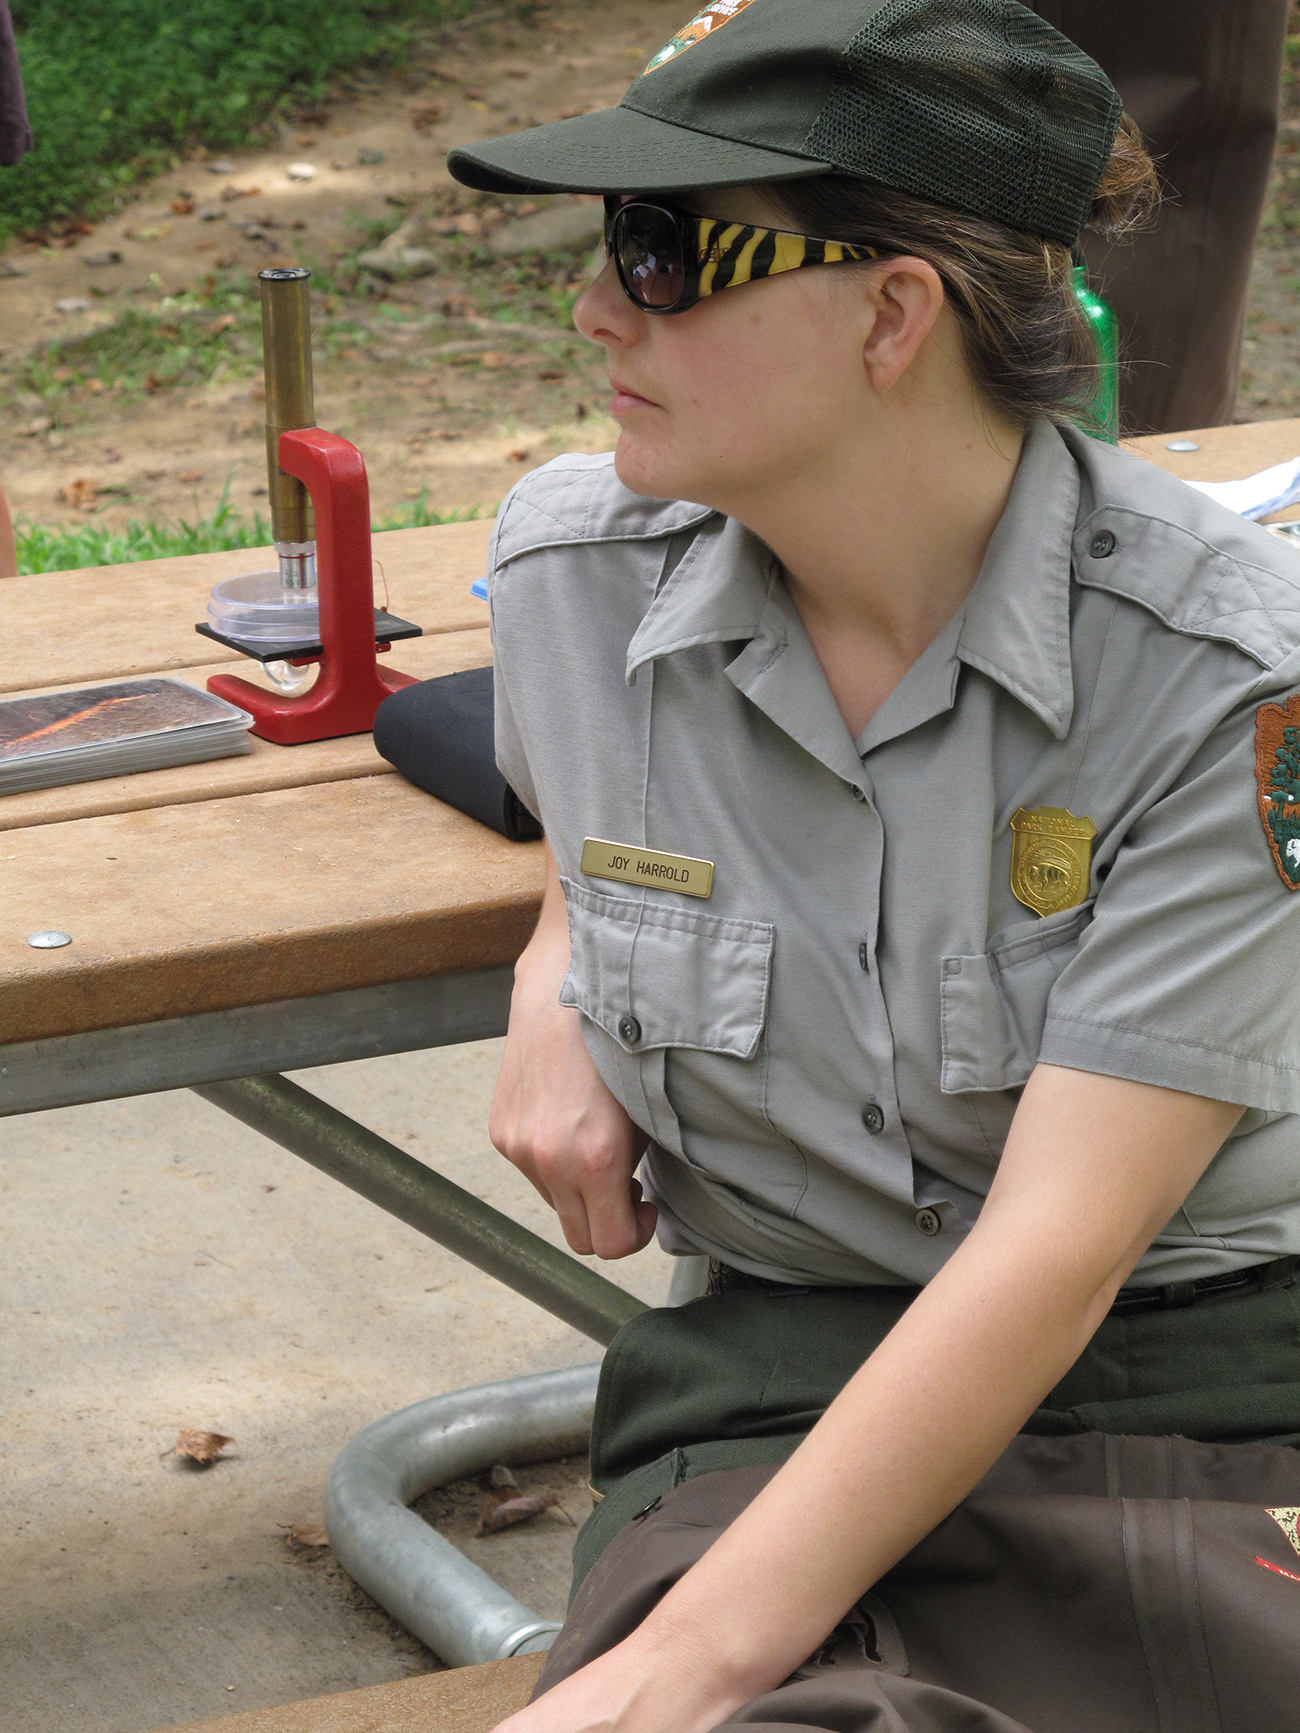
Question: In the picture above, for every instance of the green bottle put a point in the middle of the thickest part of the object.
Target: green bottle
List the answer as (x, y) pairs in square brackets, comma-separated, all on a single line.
[(1103, 413)]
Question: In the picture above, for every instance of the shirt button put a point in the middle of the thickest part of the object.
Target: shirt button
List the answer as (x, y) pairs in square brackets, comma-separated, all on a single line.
[(928, 1221), (873, 1117), (864, 956), (1102, 544), (629, 1030), (859, 793)]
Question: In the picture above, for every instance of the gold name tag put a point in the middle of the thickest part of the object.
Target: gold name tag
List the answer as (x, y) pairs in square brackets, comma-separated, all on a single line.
[(1051, 858), (631, 865)]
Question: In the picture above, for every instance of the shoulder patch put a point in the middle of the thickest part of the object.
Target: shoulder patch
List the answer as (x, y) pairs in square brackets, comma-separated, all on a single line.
[(1277, 778)]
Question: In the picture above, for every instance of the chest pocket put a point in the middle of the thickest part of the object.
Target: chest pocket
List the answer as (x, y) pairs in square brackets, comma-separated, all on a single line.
[(653, 976), (993, 1007)]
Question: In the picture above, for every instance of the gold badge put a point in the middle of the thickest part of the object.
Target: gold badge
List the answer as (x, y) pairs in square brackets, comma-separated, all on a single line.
[(1051, 854), (632, 865)]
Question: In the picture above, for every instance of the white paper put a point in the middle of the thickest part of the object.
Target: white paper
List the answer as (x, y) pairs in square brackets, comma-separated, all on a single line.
[(1258, 495)]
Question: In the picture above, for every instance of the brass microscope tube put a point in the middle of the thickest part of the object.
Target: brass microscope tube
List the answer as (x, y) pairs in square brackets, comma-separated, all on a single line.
[(286, 352)]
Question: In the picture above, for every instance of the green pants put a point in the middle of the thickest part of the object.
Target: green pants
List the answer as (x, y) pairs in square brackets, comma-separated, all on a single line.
[(739, 1378)]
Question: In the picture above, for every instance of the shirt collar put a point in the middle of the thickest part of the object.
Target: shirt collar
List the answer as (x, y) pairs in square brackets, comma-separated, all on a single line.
[(718, 594), (1015, 626)]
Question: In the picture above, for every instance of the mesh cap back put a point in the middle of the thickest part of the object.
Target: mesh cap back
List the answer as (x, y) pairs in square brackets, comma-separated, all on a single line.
[(983, 107)]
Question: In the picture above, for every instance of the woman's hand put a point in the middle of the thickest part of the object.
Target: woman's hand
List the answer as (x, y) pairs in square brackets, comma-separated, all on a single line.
[(553, 1115), (634, 1688)]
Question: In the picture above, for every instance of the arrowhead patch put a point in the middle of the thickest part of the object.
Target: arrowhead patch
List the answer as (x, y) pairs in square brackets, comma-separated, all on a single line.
[(1277, 776)]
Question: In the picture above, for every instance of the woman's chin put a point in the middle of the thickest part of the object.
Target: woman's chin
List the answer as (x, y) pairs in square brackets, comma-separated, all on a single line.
[(647, 472)]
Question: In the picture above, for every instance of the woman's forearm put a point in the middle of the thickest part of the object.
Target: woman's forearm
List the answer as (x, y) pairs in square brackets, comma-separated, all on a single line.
[(1093, 1171)]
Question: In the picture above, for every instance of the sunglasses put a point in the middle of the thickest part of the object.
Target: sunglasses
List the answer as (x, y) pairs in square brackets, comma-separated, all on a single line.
[(667, 260)]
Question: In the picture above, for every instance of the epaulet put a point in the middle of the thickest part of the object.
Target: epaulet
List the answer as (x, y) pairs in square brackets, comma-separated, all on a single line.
[(578, 498), (1197, 566)]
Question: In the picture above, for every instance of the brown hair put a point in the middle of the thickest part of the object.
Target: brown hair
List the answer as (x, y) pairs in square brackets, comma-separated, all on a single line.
[(1030, 349)]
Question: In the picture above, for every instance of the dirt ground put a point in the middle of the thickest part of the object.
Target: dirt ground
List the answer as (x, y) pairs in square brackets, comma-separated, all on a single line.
[(442, 407), (459, 427)]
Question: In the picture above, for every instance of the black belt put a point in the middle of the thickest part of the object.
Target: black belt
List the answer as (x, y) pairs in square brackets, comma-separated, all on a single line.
[(1280, 1273)]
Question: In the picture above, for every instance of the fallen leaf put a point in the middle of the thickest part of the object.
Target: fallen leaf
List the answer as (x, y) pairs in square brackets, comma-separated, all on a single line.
[(473, 93), (498, 1513), (222, 324), (183, 205), (552, 373), (221, 168), (189, 475), (517, 456), (426, 118), (257, 391), (229, 193), (307, 1534), (111, 257), (79, 494), (199, 1446), (72, 304)]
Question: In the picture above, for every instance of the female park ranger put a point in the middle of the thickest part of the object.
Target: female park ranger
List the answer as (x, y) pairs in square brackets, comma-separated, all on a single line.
[(922, 781)]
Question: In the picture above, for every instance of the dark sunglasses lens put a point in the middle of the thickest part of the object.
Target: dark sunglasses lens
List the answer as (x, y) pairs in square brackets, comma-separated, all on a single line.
[(649, 252)]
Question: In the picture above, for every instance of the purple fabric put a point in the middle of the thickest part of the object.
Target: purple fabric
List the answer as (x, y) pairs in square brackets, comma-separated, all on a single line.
[(15, 133)]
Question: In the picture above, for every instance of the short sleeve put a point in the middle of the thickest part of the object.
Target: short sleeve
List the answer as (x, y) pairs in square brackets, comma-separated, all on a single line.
[(511, 755), (1187, 974)]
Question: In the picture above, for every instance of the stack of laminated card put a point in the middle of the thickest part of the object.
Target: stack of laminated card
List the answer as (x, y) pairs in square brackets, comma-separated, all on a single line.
[(115, 730)]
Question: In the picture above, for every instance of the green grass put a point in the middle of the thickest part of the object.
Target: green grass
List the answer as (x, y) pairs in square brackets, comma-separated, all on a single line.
[(68, 547), (180, 341), (118, 89)]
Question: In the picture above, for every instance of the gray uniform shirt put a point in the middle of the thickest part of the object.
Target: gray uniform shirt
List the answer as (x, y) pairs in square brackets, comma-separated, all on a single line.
[(827, 1053)]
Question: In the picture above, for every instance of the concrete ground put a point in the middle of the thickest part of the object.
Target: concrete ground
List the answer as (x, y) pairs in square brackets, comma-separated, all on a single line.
[(166, 1267)]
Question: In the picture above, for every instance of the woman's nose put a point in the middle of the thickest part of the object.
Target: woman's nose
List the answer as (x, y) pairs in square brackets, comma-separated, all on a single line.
[(603, 313)]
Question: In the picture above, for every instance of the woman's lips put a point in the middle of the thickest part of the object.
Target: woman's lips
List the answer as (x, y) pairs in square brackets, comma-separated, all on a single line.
[(625, 399)]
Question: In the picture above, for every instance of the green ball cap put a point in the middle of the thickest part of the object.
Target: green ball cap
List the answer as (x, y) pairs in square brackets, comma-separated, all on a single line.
[(978, 105)]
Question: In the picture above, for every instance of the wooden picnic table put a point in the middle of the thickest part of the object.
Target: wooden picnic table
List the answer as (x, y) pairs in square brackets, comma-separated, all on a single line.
[(296, 872)]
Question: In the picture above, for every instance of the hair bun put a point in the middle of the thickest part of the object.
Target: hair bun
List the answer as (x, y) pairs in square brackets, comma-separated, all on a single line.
[(1129, 191)]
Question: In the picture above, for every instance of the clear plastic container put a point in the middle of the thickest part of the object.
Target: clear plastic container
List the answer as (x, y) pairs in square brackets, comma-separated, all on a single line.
[(256, 609)]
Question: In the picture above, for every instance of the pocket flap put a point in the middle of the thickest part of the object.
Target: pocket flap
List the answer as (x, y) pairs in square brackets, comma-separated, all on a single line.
[(992, 1007), (683, 978)]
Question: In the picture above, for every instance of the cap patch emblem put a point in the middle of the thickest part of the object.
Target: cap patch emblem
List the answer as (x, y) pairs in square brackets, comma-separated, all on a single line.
[(1277, 775), (1051, 858), (712, 18)]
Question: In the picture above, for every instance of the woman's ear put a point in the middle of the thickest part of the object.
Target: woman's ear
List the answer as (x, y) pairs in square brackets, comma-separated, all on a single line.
[(907, 298)]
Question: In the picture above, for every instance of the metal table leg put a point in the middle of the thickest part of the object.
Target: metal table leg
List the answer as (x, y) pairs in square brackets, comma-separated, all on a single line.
[(416, 1194)]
